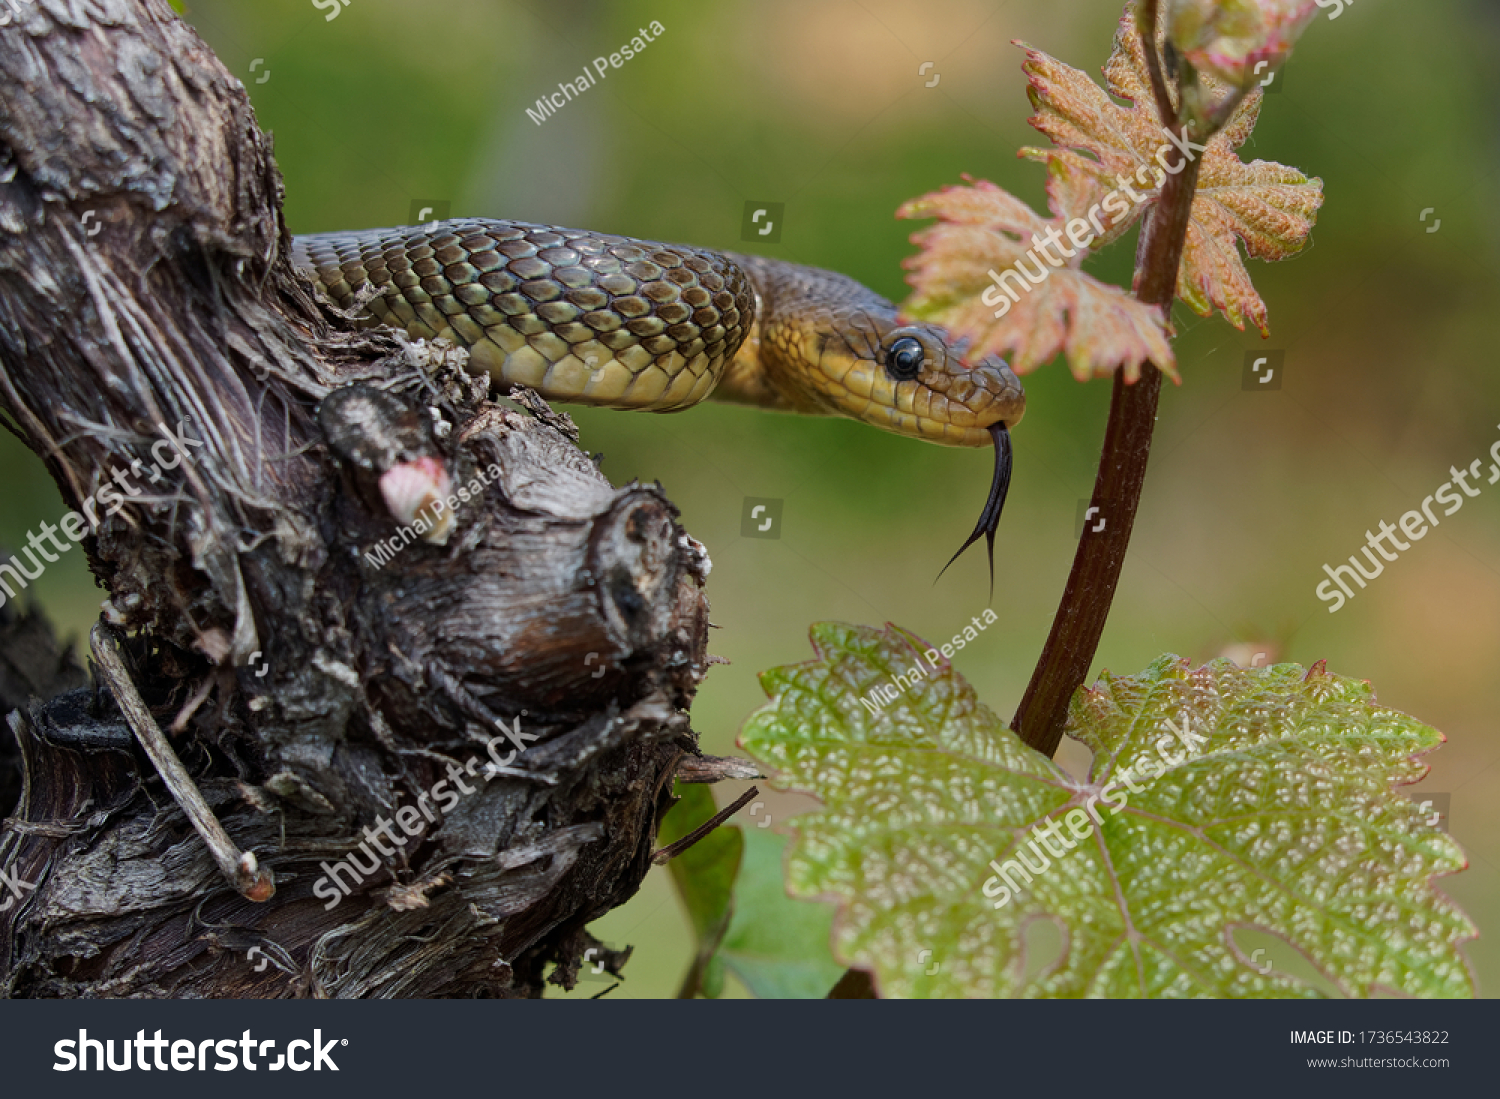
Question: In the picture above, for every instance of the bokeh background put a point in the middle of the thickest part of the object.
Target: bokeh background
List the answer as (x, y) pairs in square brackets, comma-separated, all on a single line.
[(1388, 323)]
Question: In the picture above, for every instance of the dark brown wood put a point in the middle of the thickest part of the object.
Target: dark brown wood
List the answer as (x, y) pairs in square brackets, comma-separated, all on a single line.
[(855, 984), (310, 692)]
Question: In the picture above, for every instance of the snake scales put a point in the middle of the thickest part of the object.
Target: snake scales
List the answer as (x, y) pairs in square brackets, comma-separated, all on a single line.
[(596, 319)]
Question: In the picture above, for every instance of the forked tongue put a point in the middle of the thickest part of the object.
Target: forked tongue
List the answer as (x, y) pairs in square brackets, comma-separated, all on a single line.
[(989, 518)]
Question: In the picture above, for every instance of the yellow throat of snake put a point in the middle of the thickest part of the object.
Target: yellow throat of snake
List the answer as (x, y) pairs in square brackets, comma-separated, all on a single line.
[(597, 319)]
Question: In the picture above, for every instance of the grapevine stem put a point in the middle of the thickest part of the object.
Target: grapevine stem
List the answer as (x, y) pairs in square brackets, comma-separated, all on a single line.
[(1079, 624)]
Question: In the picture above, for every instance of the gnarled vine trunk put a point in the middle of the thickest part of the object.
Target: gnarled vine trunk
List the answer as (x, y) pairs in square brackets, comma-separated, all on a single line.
[(336, 704)]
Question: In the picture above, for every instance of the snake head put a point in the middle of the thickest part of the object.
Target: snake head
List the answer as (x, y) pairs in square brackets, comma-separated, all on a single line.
[(982, 400), (915, 380)]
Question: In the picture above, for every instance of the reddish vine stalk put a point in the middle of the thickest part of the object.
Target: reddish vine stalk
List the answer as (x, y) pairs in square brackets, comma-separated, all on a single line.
[(1084, 609), (1079, 623)]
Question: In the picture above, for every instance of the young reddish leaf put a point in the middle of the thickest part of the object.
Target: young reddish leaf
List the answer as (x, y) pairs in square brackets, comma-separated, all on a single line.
[(982, 228), (1229, 38), (1219, 798), (1268, 206)]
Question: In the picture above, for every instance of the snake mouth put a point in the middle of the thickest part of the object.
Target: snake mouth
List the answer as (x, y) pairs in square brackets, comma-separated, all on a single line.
[(989, 518)]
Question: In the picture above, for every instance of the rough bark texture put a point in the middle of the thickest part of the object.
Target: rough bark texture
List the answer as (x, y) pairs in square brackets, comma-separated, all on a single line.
[(144, 285)]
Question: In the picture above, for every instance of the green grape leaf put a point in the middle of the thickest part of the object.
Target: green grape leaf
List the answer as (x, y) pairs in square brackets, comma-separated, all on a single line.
[(704, 875), (731, 884), (1219, 799), (780, 948)]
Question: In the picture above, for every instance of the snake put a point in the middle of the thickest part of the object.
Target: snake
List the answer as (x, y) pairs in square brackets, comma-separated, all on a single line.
[(592, 318)]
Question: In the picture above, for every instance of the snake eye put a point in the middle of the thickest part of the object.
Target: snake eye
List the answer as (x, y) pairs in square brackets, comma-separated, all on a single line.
[(903, 360)]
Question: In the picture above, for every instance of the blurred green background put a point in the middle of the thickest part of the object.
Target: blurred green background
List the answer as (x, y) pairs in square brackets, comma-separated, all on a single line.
[(1388, 331)]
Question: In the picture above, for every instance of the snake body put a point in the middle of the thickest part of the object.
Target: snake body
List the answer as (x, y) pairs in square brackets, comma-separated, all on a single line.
[(592, 318)]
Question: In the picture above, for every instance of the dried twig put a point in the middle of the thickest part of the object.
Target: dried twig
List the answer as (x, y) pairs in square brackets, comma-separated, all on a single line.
[(672, 850), (240, 869)]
